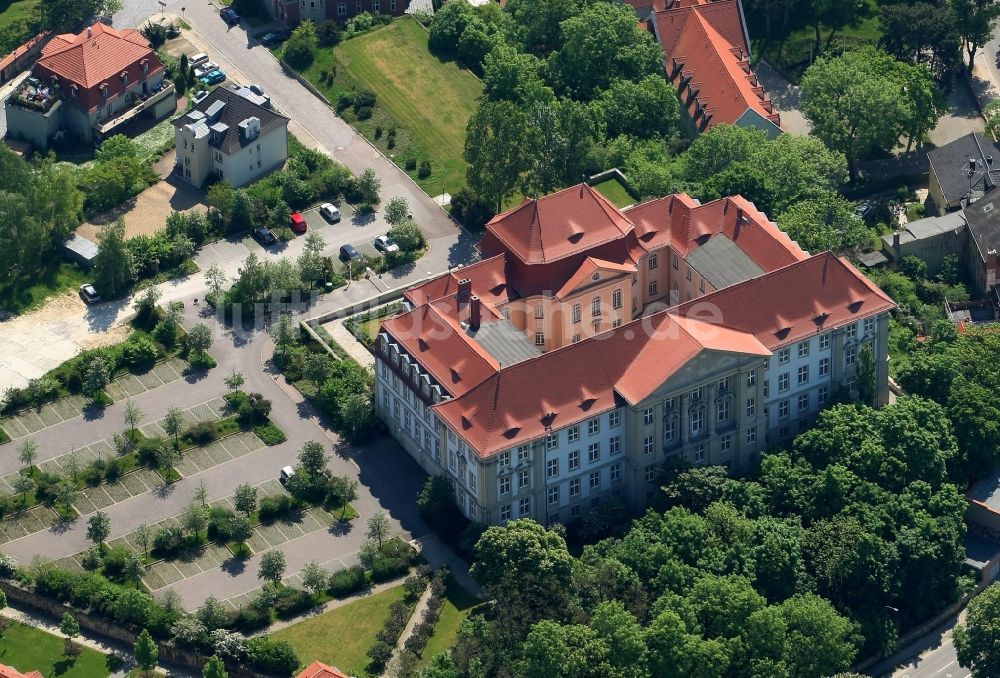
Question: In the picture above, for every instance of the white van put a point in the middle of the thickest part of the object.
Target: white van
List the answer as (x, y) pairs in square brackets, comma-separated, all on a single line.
[(197, 59), (286, 473)]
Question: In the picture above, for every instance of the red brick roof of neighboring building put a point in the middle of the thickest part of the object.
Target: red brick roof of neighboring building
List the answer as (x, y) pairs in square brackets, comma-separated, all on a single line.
[(11, 672), (320, 670), (22, 49), (97, 56), (707, 58), (489, 280)]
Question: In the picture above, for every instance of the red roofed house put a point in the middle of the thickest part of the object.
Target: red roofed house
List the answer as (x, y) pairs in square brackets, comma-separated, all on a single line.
[(707, 58), (88, 85), (320, 670), (590, 344), (11, 672)]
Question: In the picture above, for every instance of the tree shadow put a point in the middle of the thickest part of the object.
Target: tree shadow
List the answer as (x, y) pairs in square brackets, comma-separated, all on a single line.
[(92, 411), (62, 527), (193, 375), (63, 665), (164, 490), (234, 566), (341, 527)]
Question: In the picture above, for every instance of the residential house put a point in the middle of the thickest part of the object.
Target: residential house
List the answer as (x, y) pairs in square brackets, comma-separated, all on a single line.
[(320, 670), (18, 60), (963, 171), (11, 672), (591, 344), (292, 12), (707, 58), (228, 136), (89, 85)]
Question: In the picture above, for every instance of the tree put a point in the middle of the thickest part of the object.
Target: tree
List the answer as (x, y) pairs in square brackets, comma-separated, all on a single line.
[(600, 44), (98, 528), (216, 279), (826, 223), (199, 340), (70, 15), (66, 493), (272, 566), (494, 149), (538, 21), (865, 100), (245, 499), (143, 537), (407, 235), (312, 265), (96, 376), (283, 333), (369, 186), (27, 453), (235, 381), (513, 76), (647, 108), (977, 641), (194, 519), (313, 458), (357, 415), (200, 493), (173, 423), (866, 374), (316, 368), (314, 577), (214, 668), (346, 491), (146, 652), (22, 484), (300, 48), (113, 263), (132, 414), (992, 115), (923, 31), (378, 528), (396, 211), (833, 14), (213, 614), (133, 568), (70, 628), (241, 530), (975, 21), (73, 465)]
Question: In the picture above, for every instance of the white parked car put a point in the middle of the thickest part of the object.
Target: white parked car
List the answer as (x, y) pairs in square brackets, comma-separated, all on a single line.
[(205, 69), (384, 243), (329, 212)]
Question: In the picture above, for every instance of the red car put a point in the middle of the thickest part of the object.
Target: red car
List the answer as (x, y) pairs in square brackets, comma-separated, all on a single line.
[(298, 223)]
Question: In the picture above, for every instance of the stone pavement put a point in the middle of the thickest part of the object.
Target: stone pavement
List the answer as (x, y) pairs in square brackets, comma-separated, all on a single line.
[(349, 343)]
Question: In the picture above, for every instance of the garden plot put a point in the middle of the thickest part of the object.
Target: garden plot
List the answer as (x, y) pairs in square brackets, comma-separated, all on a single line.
[(219, 452)]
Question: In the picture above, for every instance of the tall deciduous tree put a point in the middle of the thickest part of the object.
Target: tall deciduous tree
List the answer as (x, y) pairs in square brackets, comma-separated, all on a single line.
[(98, 528), (172, 424), (132, 415), (494, 149), (272, 566), (828, 222), (975, 20), (378, 528), (146, 652), (977, 641), (113, 263)]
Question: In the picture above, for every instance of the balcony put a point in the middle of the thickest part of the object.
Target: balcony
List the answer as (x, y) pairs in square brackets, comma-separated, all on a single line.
[(35, 96), (140, 102)]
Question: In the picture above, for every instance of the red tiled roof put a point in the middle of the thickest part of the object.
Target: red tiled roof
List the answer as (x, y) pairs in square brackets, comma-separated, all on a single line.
[(709, 43), (794, 302), (320, 670), (92, 60), (11, 672), (559, 225), (590, 266), (489, 282), (21, 50)]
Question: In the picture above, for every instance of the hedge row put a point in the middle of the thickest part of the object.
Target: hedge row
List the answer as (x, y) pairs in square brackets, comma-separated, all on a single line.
[(399, 613)]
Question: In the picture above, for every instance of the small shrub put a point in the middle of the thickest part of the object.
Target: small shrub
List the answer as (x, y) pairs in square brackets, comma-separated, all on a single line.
[(95, 472), (345, 582), (378, 131), (139, 352), (385, 568), (250, 619), (270, 434), (272, 508), (344, 100), (380, 653), (113, 471), (168, 540), (425, 170), (410, 164), (220, 524), (364, 113), (291, 601), (202, 433)]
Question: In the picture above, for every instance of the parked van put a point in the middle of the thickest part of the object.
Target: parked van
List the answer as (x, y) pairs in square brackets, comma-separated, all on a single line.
[(286, 473), (197, 59)]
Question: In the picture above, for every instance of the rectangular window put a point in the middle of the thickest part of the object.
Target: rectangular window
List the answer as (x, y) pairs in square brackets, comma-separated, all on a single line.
[(472, 480), (676, 263), (824, 341), (697, 422), (647, 416), (783, 409), (654, 288), (614, 445), (647, 445), (595, 480), (723, 411), (595, 307), (539, 311), (616, 299), (803, 402), (850, 356), (523, 454), (594, 453), (539, 338), (504, 485), (594, 426), (824, 367), (523, 479), (726, 442), (552, 441), (574, 460), (650, 473), (687, 272), (783, 356), (576, 338), (573, 434), (701, 285), (505, 509), (616, 472), (824, 394), (803, 349), (576, 313), (803, 374), (574, 487), (503, 459), (869, 325), (751, 435), (783, 382), (723, 385), (767, 388), (552, 468), (653, 261), (852, 330), (617, 322), (696, 394), (554, 495), (669, 430), (751, 378), (614, 418), (385, 399), (699, 454), (751, 407), (524, 508)]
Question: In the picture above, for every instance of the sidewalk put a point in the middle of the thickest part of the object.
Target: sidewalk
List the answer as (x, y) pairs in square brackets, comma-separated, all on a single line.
[(349, 343)]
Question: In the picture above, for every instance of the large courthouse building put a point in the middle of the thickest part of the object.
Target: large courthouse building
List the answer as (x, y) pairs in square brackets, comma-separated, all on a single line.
[(590, 344)]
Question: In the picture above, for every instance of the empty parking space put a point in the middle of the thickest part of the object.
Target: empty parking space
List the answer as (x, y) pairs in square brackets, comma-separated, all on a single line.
[(50, 414), (219, 452), (28, 522), (131, 385)]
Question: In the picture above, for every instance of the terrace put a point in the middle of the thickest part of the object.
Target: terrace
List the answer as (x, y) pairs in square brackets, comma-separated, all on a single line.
[(141, 102), (35, 96)]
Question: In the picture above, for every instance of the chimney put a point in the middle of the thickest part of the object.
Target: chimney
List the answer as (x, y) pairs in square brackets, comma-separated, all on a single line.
[(90, 32), (464, 289), (475, 312), (972, 165), (895, 240)]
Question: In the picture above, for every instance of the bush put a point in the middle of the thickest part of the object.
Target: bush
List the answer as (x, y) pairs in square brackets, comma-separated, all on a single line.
[(202, 433), (425, 170), (276, 656), (250, 619), (384, 569), (8, 566), (291, 601), (272, 508), (471, 210), (139, 352), (254, 409), (114, 562), (113, 471), (328, 33), (220, 524), (168, 540), (380, 653), (364, 113), (95, 472), (345, 582), (410, 164), (149, 451)]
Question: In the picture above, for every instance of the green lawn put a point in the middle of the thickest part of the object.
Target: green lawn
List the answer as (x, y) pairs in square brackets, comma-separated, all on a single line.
[(793, 48), (429, 101), (27, 293), (613, 190), (456, 608), (343, 636), (31, 649), (15, 19)]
